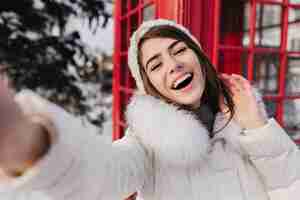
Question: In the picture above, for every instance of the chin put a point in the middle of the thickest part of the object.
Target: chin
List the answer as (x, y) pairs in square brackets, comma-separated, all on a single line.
[(193, 100)]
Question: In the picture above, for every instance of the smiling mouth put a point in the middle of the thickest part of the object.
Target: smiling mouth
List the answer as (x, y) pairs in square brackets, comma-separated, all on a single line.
[(184, 82)]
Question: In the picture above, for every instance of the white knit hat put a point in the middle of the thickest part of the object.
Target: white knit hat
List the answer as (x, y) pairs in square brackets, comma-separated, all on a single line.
[(133, 48)]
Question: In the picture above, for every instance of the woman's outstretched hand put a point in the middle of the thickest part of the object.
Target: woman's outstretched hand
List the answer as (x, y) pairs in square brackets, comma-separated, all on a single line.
[(22, 142), (247, 111)]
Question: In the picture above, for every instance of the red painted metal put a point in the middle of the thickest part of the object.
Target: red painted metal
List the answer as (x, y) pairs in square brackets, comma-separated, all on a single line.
[(229, 47), (127, 73), (252, 29), (187, 13), (279, 98), (294, 53), (126, 90), (168, 9), (194, 21), (216, 32), (296, 6), (140, 10), (283, 60), (116, 72), (272, 26), (179, 10), (270, 2), (137, 9), (297, 141), (232, 59)]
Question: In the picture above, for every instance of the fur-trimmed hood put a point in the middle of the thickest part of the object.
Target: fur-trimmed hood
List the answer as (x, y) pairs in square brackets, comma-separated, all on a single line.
[(174, 134)]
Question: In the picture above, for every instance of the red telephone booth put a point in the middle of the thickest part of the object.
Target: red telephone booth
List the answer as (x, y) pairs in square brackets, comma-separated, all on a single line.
[(256, 38)]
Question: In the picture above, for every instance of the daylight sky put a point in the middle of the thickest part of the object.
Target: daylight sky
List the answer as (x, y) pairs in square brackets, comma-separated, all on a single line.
[(102, 39)]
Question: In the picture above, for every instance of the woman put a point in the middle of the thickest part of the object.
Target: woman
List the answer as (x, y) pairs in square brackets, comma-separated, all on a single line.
[(191, 135)]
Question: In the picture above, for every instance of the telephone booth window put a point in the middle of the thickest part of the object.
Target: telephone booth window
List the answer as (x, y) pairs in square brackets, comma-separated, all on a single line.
[(260, 40), (129, 14), (149, 12)]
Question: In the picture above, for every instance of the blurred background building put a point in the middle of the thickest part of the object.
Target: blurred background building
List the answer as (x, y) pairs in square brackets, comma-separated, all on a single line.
[(259, 39)]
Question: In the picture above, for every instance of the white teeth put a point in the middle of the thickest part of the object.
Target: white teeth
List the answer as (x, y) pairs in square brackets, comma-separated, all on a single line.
[(181, 79)]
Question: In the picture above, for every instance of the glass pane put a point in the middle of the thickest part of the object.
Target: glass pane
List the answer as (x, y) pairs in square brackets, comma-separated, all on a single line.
[(134, 22), (122, 105), (291, 116), (124, 7), (134, 3), (232, 23), (123, 69), (271, 107), (149, 12), (292, 81), (232, 62), (124, 37), (246, 24), (268, 25), (235, 24), (293, 30), (294, 1), (266, 69)]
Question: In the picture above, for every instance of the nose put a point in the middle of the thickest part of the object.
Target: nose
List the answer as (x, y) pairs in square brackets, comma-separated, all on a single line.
[(176, 68), (175, 65)]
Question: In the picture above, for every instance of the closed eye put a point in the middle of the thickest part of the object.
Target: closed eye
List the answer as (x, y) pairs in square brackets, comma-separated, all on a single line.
[(180, 51), (155, 67)]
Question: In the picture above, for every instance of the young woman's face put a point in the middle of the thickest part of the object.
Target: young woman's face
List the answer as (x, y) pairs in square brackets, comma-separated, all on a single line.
[(174, 70)]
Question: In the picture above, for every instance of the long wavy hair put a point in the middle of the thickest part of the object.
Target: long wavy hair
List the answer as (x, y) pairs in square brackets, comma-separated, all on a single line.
[(214, 89)]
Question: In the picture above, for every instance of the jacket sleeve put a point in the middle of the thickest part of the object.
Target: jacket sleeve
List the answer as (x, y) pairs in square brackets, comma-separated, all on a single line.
[(80, 164), (277, 159)]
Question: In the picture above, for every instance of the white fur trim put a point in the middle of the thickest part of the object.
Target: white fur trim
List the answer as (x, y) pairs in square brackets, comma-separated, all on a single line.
[(175, 136)]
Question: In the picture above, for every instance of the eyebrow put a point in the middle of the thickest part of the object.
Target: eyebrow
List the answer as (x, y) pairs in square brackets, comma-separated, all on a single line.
[(158, 54)]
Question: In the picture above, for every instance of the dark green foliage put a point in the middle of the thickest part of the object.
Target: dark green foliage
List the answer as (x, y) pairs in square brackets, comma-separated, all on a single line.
[(37, 52)]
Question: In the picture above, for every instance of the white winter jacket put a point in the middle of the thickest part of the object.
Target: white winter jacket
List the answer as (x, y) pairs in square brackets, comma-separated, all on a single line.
[(165, 155)]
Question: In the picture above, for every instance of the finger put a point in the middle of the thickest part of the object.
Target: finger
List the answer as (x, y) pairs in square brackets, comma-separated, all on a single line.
[(221, 102), (7, 102), (232, 83), (3, 83), (238, 82), (243, 81), (247, 87), (223, 107), (223, 75), (227, 80), (242, 78), (5, 90)]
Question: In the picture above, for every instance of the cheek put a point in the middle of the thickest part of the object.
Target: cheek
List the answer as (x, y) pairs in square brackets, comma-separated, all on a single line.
[(159, 84), (198, 69), (156, 81), (200, 76)]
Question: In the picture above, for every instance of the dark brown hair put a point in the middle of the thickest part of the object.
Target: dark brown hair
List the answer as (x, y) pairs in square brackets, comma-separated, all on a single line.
[(214, 87)]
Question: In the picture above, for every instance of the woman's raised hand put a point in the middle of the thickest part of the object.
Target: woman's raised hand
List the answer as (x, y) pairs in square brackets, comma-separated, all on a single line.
[(10, 112), (247, 111), (22, 142)]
